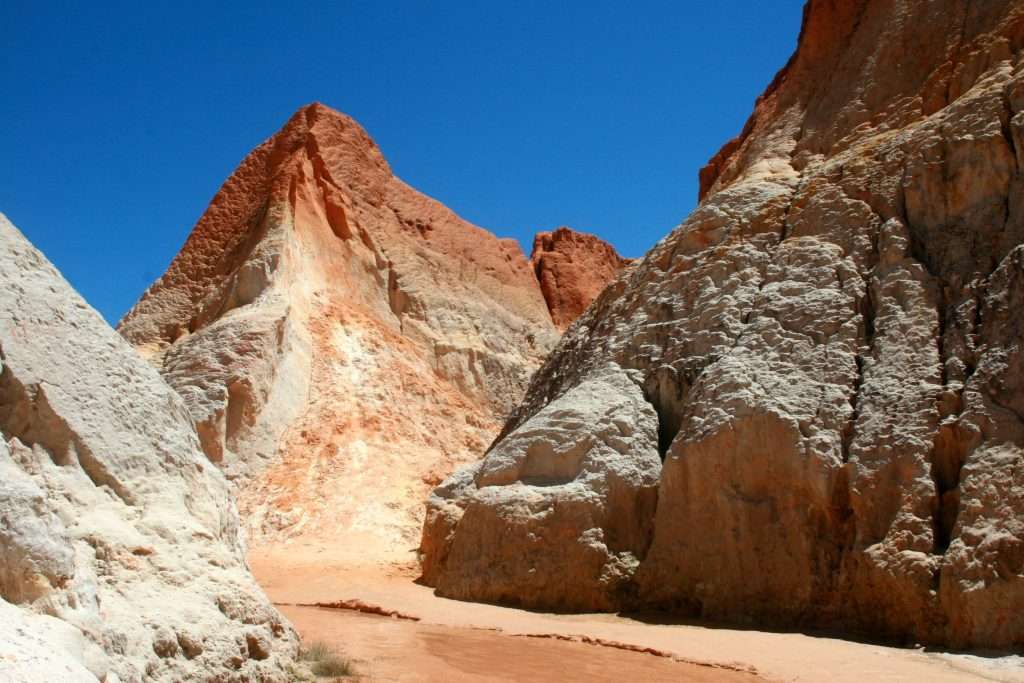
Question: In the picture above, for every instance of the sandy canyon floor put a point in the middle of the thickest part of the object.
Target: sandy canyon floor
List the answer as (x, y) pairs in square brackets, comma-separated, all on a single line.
[(429, 638)]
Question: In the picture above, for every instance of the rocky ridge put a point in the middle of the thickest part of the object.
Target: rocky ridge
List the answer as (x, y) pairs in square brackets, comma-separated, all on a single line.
[(803, 408), (573, 268), (341, 340), (121, 557)]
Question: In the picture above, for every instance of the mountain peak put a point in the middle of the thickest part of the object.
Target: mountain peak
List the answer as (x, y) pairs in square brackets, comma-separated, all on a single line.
[(316, 294)]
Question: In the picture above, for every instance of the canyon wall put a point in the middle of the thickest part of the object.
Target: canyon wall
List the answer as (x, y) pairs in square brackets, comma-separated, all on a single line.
[(121, 557), (804, 407), (342, 341)]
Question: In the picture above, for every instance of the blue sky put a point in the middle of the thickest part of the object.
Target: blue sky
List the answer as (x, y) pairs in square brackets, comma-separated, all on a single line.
[(119, 121)]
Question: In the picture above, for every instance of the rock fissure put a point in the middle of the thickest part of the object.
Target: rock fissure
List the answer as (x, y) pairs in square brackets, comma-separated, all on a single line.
[(666, 395), (1008, 137), (849, 429)]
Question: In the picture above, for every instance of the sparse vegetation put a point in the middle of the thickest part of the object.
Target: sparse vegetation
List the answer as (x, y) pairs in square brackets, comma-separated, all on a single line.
[(324, 661), (315, 651), (333, 665)]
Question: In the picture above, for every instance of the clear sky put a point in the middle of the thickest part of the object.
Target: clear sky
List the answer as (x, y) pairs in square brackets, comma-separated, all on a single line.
[(119, 121)]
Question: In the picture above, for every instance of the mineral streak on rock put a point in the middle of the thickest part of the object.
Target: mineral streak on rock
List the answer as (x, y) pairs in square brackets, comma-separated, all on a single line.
[(572, 269), (341, 340), (121, 557), (825, 356)]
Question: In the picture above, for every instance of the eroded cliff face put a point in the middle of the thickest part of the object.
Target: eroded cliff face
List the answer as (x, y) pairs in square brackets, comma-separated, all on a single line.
[(829, 353), (342, 341), (572, 268), (120, 552)]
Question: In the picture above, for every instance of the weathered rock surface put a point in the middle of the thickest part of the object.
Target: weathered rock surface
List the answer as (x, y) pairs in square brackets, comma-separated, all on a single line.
[(341, 340), (584, 469), (572, 269), (37, 648), (832, 345), (120, 551)]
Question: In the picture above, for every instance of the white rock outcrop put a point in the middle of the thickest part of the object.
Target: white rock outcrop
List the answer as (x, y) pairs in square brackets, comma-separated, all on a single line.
[(585, 470), (120, 551)]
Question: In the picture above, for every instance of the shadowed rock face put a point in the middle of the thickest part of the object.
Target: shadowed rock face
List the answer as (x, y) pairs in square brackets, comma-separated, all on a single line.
[(120, 551), (341, 340), (572, 269), (830, 346)]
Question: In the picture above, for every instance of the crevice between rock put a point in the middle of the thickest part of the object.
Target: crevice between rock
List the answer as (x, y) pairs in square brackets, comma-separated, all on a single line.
[(666, 392), (867, 313), (952, 443), (949, 453)]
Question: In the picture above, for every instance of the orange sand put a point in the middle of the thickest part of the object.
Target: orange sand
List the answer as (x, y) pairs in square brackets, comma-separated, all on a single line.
[(455, 641)]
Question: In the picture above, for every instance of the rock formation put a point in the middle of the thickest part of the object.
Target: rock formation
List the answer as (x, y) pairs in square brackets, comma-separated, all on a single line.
[(341, 340), (826, 357), (120, 552), (572, 269)]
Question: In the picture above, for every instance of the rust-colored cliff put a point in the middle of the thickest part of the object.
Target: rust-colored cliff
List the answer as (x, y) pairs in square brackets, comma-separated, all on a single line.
[(341, 340)]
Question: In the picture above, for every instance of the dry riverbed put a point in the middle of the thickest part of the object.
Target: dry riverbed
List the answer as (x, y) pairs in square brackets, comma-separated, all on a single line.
[(428, 638)]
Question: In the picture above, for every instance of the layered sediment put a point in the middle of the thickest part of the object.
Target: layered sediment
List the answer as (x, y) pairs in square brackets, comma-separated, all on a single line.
[(342, 341)]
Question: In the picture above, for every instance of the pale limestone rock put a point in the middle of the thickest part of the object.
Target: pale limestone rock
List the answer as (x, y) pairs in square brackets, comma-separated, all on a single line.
[(831, 343), (36, 648), (111, 518), (585, 468)]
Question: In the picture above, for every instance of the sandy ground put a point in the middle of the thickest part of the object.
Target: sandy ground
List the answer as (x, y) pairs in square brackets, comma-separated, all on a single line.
[(389, 649), (457, 641)]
